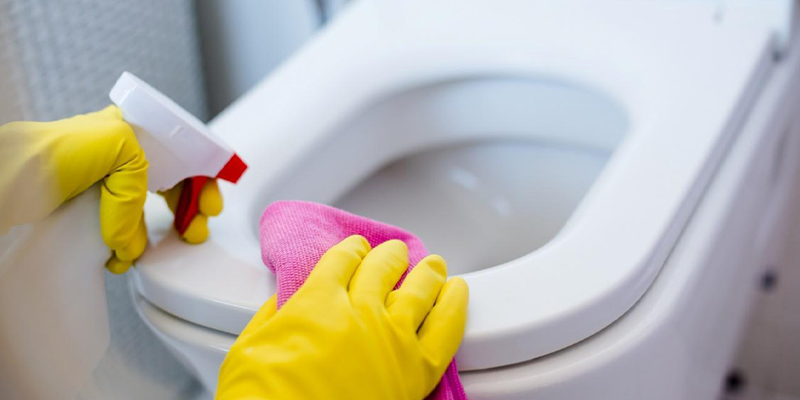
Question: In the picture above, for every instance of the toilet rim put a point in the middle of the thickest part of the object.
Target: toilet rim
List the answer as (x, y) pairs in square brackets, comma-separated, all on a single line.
[(556, 306)]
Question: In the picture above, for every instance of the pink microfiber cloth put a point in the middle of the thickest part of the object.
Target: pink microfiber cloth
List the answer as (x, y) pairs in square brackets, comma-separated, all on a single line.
[(295, 235)]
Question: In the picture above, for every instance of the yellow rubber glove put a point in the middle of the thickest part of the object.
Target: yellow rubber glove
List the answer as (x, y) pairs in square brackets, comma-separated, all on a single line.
[(43, 164), (47, 163), (210, 204), (345, 334)]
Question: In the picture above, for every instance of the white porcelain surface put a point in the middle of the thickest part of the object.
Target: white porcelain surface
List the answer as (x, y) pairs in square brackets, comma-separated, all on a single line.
[(200, 349), (53, 314), (403, 81), (769, 355)]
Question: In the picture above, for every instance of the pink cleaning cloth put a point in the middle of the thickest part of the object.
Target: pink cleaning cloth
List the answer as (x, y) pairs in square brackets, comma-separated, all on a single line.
[(295, 235)]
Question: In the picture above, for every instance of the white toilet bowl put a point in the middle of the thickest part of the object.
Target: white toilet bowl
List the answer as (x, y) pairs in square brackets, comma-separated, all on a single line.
[(601, 179)]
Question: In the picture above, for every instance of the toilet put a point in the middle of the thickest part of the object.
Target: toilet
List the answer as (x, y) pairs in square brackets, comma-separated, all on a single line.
[(608, 177)]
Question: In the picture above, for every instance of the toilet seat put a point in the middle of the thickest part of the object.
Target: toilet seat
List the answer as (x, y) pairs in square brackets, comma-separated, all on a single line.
[(680, 90)]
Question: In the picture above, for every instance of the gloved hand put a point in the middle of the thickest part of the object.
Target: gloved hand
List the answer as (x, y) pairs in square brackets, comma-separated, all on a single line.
[(209, 205), (43, 164), (346, 334)]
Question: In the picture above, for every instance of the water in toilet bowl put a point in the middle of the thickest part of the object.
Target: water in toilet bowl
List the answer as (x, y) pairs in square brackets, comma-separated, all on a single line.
[(480, 204)]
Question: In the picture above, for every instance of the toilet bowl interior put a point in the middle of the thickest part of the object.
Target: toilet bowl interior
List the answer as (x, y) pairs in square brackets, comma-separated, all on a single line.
[(492, 165), (479, 204)]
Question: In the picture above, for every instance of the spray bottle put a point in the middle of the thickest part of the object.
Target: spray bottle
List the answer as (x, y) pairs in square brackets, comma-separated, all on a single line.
[(177, 145)]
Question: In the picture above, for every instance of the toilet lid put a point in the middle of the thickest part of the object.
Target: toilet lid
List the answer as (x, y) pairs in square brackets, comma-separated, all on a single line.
[(684, 75)]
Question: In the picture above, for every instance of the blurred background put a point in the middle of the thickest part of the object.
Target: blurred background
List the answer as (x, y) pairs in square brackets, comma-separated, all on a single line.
[(59, 59)]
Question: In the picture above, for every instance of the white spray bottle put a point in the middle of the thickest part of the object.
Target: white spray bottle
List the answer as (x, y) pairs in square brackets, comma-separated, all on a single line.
[(177, 145)]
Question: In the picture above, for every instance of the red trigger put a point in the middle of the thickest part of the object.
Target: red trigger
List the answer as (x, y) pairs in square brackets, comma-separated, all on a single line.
[(188, 203)]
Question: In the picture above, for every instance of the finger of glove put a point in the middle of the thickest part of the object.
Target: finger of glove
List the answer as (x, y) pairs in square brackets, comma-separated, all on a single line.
[(409, 304), (172, 196), (117, 266), (339, 263), (85, 148), (379, 272), (264, 314), (197, 231), (136, 247), (123, 194), (210, 202), (101, 147), (442, 331)]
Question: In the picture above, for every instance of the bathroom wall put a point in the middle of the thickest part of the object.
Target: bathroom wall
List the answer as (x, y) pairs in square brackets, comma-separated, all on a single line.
[(245, 39), (11, 102), (61, 58)]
